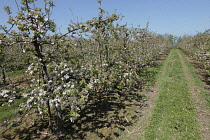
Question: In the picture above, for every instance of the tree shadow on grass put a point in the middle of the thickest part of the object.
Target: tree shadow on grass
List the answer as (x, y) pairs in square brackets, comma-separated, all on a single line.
[(105, 118)]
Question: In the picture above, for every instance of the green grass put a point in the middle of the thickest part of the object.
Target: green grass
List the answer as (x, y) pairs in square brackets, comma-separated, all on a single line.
[(7, 112), (173, 116), (16, 73)]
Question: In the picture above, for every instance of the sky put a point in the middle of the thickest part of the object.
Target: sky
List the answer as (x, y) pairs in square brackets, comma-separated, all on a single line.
[(176, 17)]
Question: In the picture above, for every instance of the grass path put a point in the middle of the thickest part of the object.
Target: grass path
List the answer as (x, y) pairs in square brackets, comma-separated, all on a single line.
[(179, 101)]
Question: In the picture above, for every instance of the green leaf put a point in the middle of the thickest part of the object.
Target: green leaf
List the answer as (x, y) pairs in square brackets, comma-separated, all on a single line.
[(7, 9), (50, 3)]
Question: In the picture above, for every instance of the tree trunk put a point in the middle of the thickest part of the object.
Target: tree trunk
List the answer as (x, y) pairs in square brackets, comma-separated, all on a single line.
[(3, 75), (45, 76), (59, 122)]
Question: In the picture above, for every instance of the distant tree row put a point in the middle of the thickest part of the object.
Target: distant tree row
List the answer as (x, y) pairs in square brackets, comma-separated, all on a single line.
[(198, 47)]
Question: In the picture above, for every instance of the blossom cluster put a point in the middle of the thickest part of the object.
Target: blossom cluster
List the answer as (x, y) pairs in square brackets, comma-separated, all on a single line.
[(63, 87), (9, 95), (34, 21)]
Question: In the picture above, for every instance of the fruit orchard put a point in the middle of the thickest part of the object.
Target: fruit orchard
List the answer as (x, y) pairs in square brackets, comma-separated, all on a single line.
[(68, 71)]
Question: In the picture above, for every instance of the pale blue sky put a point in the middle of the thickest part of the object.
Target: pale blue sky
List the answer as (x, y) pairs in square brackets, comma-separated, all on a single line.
[(177, 17)]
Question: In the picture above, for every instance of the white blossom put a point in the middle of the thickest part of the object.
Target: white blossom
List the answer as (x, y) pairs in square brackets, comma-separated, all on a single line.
[(31, 72), (62, 71), (10, 101), (71, 119), (58, 89), (45, 19), (30, 100), (67, 69), (66, 76), (125, 75), (105, 64), (4, 93), (42, 92), (90, 85), (72, 86), (96, 80), (24, 94)]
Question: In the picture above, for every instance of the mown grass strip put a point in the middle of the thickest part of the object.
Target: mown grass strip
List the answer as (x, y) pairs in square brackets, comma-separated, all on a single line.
[(174, 116), (198, 82)]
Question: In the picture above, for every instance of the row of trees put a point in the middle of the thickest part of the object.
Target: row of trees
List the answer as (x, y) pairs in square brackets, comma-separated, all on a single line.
[(93, 58), (198, 47)]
